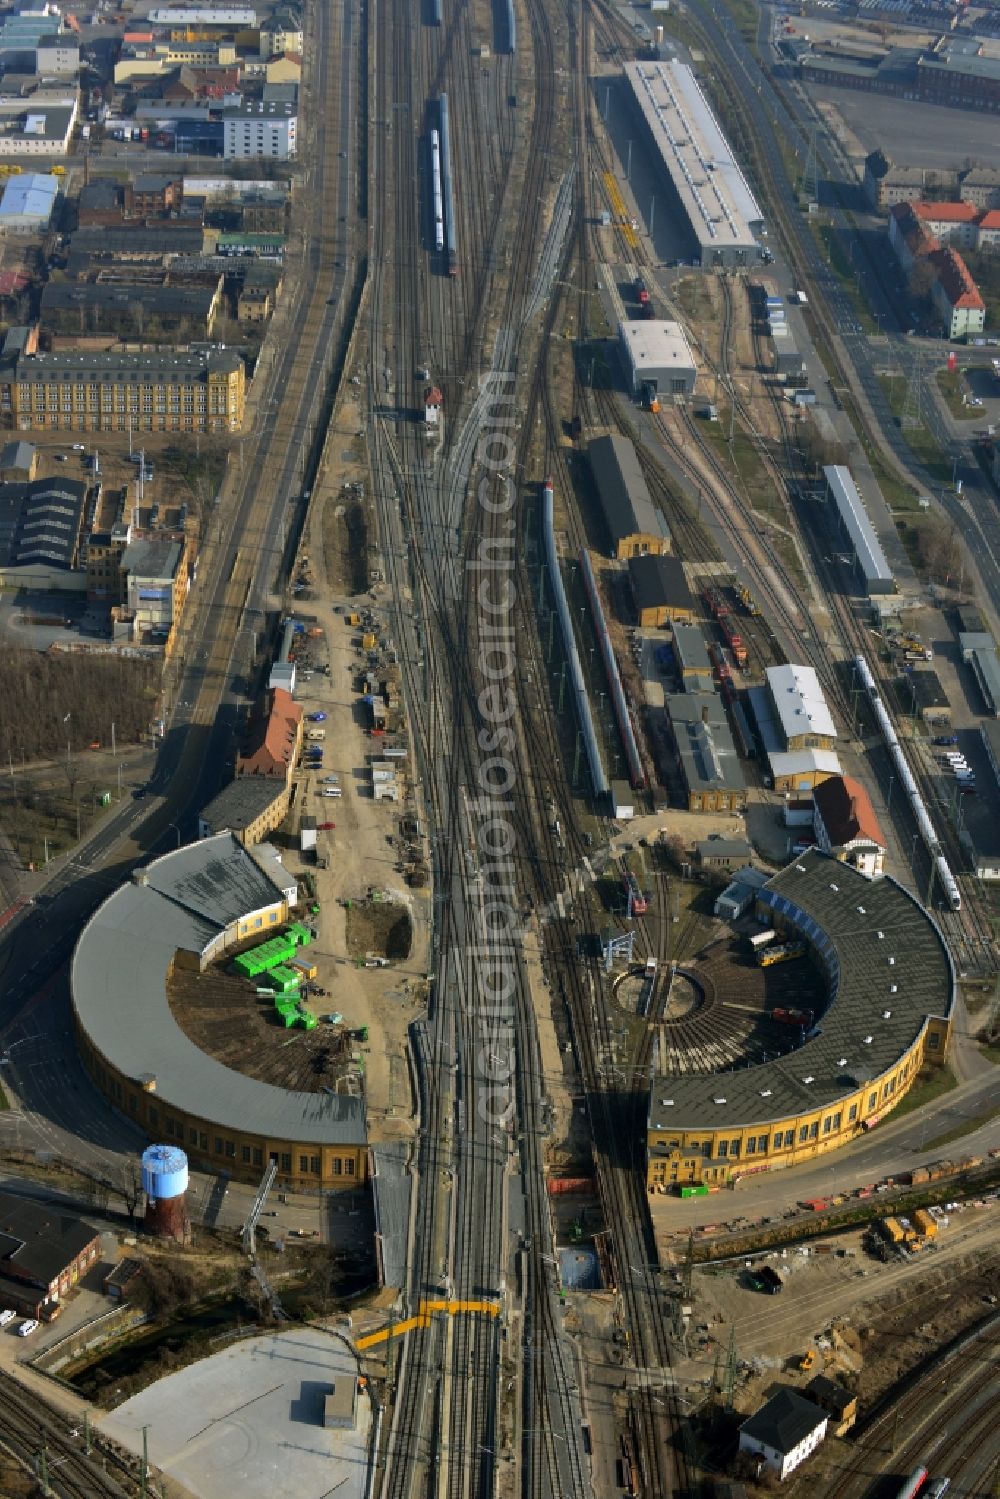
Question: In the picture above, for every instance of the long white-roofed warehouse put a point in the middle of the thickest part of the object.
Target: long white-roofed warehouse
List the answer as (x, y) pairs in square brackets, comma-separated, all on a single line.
[(721, 211), (855, 524)]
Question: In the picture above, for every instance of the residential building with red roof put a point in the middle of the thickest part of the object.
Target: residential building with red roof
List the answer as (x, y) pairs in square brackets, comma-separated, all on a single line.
[(919, 231), (956, 296), (273, 739), (846, 826), (951, 223)]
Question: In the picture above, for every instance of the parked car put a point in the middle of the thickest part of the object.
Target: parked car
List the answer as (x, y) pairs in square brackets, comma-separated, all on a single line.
[(946, 739), (6, 1317), (27, 1327), (79, 447), (316, 717), (325, 827), (332, 791)]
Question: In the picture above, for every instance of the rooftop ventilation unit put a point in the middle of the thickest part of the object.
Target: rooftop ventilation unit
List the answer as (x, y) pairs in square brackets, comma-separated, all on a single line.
[(667, 1103), (868, 1040), (809, 1079), (886, 1014), (765, 1092), (718, 1100)]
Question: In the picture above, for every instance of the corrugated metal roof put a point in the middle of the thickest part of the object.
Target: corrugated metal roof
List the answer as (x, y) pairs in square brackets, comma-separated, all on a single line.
[(854, 518), (709, 182), (799, 701)]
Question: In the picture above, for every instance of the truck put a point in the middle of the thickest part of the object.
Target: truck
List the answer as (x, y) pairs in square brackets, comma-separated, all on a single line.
[(800, 299), (316, 736), (765, 1278)]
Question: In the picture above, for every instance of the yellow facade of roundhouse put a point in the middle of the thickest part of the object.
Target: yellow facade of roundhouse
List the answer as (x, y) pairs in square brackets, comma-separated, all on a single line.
[(717, 1156)]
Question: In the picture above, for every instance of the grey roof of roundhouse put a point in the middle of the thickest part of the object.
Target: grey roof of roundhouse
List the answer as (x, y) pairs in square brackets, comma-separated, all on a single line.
[(118, 982), (839, 1059)]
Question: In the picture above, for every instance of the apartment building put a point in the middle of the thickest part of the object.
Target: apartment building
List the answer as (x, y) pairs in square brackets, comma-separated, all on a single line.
[(117, 392)]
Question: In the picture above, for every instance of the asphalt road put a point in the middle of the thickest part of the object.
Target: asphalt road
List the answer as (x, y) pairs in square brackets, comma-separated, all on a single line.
[(206, 717), (975, 514)]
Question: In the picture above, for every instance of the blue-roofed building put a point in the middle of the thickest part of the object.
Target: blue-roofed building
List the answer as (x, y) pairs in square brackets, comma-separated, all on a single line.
[(28, 202)]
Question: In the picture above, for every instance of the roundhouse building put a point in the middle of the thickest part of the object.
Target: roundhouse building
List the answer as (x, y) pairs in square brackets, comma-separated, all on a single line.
[(890, 983), (185, 911)]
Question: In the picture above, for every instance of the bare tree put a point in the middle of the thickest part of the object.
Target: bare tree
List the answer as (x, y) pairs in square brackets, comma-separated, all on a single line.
[(130, 1185)]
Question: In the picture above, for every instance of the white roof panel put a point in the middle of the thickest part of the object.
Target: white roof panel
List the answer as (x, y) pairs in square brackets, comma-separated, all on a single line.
[(799, 701)]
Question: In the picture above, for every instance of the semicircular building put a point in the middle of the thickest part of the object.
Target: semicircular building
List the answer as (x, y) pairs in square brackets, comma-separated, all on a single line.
[(890, 985), (181, 913)]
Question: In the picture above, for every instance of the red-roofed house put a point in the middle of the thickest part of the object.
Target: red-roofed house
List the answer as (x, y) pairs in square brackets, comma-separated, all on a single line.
[(951, 223), (956, 296), (909, 237), (274, 738), (989, 231), (846, 826)]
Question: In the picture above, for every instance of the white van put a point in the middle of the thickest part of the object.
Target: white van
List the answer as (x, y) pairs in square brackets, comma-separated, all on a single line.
[(6, 1317), (333, 791), (316, 735), (27, 1327)]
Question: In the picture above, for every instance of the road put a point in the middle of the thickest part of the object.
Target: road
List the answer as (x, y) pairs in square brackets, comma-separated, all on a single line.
[(976, 514), (222, 634)]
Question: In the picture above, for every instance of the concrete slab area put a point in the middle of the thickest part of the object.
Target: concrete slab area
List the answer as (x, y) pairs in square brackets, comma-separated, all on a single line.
[(249, 1421)]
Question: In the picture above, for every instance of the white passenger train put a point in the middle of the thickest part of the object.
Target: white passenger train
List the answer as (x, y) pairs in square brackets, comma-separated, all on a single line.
[(436, 190), (901, 768)]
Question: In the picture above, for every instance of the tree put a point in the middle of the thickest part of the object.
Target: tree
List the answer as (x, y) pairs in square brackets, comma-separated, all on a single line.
[(130, 1185), (921, 278)]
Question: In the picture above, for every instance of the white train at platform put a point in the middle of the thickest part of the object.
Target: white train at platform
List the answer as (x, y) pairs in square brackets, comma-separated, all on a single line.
[(436, 192), (901, 769)]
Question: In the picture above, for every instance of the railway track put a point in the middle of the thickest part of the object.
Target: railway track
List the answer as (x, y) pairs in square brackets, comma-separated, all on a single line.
[(45, 1441), (945, 1420)]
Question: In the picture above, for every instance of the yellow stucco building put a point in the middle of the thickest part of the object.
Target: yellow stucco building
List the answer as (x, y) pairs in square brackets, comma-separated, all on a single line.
[(887, 1020)]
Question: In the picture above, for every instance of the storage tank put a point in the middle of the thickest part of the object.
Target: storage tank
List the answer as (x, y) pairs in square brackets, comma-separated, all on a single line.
[(165, 1183)]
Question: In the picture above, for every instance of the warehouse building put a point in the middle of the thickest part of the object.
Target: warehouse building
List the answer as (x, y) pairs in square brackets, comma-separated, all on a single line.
[(660, 591), (873, 571), (120, 392), (691, 656), (185, 911), (801, 710), (705, 753), (846, 826), (28, 204), (795, 771), (891, 990), (986, 670), (714, 196), (658, 358), (250, 808), (635, 525), (40, 532), (44, 1253)]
